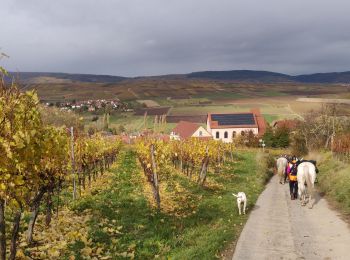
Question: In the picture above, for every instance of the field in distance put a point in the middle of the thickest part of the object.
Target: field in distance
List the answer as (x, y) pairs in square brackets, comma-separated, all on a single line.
[(196, 97)]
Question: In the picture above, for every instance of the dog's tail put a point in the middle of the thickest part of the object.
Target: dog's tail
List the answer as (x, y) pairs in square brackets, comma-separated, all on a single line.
[(235, 195)]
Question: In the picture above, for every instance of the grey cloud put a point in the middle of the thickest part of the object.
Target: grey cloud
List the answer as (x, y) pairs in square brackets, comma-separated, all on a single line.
[(138, 37)]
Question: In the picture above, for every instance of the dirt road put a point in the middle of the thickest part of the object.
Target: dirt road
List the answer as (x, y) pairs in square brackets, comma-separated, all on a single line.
[(279, 228)]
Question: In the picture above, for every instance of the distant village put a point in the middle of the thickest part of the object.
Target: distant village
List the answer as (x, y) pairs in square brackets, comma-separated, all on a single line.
[(91, 105)]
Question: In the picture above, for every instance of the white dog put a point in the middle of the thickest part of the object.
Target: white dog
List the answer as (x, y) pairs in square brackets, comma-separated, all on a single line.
[(241, 199)]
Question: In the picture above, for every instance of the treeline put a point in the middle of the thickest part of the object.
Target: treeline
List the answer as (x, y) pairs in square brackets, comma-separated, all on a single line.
[(273, 138), (38, 159), (324, 129)]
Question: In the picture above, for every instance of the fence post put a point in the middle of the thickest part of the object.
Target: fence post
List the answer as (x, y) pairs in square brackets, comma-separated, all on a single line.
[(155, 178), (73, 162)]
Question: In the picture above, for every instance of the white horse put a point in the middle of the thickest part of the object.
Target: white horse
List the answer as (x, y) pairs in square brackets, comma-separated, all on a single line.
[(281, 165), (306, 174)]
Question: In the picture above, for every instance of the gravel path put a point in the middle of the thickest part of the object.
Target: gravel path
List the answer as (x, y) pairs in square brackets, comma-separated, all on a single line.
[(279, 228)]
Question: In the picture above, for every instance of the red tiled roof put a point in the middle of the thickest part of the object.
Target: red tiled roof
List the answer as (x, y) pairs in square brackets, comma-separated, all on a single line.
[(185, 129), (125, 139), (260, 120), (164, 137), (159, 136)]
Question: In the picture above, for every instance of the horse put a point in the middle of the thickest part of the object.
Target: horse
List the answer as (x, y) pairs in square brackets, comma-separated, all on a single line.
[(306, 174), (281, 165)]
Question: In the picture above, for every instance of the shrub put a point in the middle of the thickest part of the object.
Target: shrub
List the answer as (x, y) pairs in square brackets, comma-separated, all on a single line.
[(298, 146), (334, 181), (265, 163)]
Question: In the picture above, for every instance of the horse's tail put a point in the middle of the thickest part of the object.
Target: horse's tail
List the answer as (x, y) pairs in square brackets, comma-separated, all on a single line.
[(308, 176)]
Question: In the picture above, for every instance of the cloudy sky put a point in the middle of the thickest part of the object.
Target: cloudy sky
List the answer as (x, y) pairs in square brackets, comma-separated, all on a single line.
[(152, 37)]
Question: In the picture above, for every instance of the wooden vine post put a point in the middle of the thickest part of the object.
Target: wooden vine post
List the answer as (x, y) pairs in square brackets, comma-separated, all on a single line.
[(155, 184), (73, 162), (2, 230), (231, 151), (203, 173)]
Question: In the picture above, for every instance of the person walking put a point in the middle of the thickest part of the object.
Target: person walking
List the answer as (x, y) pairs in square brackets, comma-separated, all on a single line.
[(292, 171)]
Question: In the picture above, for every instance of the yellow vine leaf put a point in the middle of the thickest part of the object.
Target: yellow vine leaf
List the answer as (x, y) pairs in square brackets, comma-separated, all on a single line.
[(99, 251), (2, 186), (20, 254), (86, 251), (53, 253)]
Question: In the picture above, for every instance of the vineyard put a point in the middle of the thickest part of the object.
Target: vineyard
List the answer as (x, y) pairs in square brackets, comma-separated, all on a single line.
[(65, 194), (191, 157), (193, 221), (37, 162)]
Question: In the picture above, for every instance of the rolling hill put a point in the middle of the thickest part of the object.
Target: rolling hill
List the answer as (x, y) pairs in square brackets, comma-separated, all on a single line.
[(252, 76), (272, 77), (43, 77), (333, 77), (242, 75)]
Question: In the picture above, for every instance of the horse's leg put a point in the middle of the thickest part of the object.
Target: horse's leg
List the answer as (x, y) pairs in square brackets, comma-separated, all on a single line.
[(311, 192), (311, 200), (302, 193), (306, 191), (302, 198), (280, 173)]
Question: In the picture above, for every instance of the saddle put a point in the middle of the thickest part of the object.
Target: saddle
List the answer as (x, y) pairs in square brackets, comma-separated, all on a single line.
[(311, 161)]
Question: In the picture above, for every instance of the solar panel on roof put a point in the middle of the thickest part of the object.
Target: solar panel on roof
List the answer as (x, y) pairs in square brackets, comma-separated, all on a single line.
[(233, 119)]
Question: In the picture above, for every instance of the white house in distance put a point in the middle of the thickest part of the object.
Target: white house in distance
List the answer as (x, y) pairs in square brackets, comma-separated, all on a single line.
[(226, 126), (184, 130)]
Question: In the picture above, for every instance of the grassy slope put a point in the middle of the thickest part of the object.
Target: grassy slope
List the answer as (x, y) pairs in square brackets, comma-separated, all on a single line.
[(128, 120), (204, 221), (334, 181)]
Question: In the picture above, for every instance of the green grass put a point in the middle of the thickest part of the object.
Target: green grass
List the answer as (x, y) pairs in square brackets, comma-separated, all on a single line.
[(222, 95), (334, 181), (180, 102), (131, 122), (272, 93), (270, 118), (210, 223), (281, 112), (128, 120)]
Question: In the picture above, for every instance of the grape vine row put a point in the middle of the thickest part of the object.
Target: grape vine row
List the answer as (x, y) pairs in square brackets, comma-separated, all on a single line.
[(36, 159), (190, 156)]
